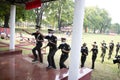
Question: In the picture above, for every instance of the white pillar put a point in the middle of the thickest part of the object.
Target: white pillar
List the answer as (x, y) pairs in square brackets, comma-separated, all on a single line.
[(76, 39), (12, 26)]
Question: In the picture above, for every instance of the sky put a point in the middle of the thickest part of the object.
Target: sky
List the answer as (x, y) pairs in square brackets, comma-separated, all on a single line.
[(111, 6)]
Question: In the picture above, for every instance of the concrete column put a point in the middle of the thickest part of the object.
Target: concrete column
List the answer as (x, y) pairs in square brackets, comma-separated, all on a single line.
[(76, 40), (12, 26)]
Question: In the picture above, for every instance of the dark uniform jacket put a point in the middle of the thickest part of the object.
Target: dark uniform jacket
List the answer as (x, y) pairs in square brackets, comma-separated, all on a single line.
[(111, 46), (52, 39), (84, 51), (104, 47), (94, 51), (38, 37), (64, 46)]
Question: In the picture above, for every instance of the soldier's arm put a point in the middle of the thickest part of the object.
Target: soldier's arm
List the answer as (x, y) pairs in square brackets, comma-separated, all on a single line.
[(52, 42), (27, 32), (67, 51)]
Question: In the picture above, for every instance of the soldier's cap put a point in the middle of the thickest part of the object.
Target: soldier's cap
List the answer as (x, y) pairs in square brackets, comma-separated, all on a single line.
[(94, 42), (50, 30), (38, 27), (84, 44), (63, 39)]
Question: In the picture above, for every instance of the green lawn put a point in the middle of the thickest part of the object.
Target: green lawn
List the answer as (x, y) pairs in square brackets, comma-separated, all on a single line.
[(102, 71)]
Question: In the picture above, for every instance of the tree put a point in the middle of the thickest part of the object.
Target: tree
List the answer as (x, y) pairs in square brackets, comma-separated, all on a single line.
[(4, 13), (59, 13), (115, 28), (21, 13), (96, 19)]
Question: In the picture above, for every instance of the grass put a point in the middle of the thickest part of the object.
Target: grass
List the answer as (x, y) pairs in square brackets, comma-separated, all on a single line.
[(102, 71)]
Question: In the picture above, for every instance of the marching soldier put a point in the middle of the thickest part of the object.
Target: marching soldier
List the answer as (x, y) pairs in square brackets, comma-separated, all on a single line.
[(52, 44), (65, 48), (94, 55), (39, 39), (95, 44), (117, 48), (111, 47), (103, 48), (84, 51)]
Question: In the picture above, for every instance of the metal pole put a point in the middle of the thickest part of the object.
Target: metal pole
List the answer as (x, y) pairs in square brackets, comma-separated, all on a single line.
[(76, 40), (12, 26)]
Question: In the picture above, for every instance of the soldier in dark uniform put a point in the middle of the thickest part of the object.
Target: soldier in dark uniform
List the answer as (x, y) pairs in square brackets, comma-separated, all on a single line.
[(84, 51), (103, 48), (94, 54), (94, 43), (65, 48), (117, 48), (111, 47), (39, 39), (52, 44)]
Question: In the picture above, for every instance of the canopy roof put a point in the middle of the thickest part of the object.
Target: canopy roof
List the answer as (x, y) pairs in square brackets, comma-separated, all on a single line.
[(22, 1)]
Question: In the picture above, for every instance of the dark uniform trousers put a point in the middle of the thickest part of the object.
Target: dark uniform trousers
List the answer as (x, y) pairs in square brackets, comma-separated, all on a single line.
[(50, 57), (37, 47), (83, 59), (117, 50), (103, 54), (63, 58), (110, 53), (93, 60)]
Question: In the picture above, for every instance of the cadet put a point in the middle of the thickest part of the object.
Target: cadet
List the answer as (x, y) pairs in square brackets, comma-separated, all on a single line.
[(39, 40), (117, 48), (103, 48), (95, 44), (65, 48), (84, 51), (52, 44), (94, 55), (111, 47)]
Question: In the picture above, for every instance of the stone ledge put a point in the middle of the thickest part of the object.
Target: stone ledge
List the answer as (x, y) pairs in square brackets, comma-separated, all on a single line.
[(10, 52)]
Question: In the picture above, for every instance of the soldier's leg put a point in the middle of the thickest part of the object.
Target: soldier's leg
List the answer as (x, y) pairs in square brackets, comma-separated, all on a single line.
[(49, 59), (101, 54), (116, 53), (40, 55), (93, 60), (63, 59), (109, 55), (34, 53), (103, 58), (61, 62), (52, 59), (82, 61)]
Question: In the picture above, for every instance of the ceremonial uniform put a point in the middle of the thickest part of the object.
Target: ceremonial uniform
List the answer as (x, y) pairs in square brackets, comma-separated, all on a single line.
[(84, 51), (39, 40), (111, 47), (94, 55), (117, 49), (103, 48), (65, 48), (52, 44)]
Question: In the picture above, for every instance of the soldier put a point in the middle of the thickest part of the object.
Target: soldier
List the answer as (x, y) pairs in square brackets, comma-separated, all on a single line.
[(65, 48), (95, 44), (52, 44), (117, 48), (111, 47), (39, 39), (84, 51), (94, 54), (103, 48)]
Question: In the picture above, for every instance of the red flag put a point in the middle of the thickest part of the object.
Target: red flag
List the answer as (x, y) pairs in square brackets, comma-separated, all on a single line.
[(32, 4)]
